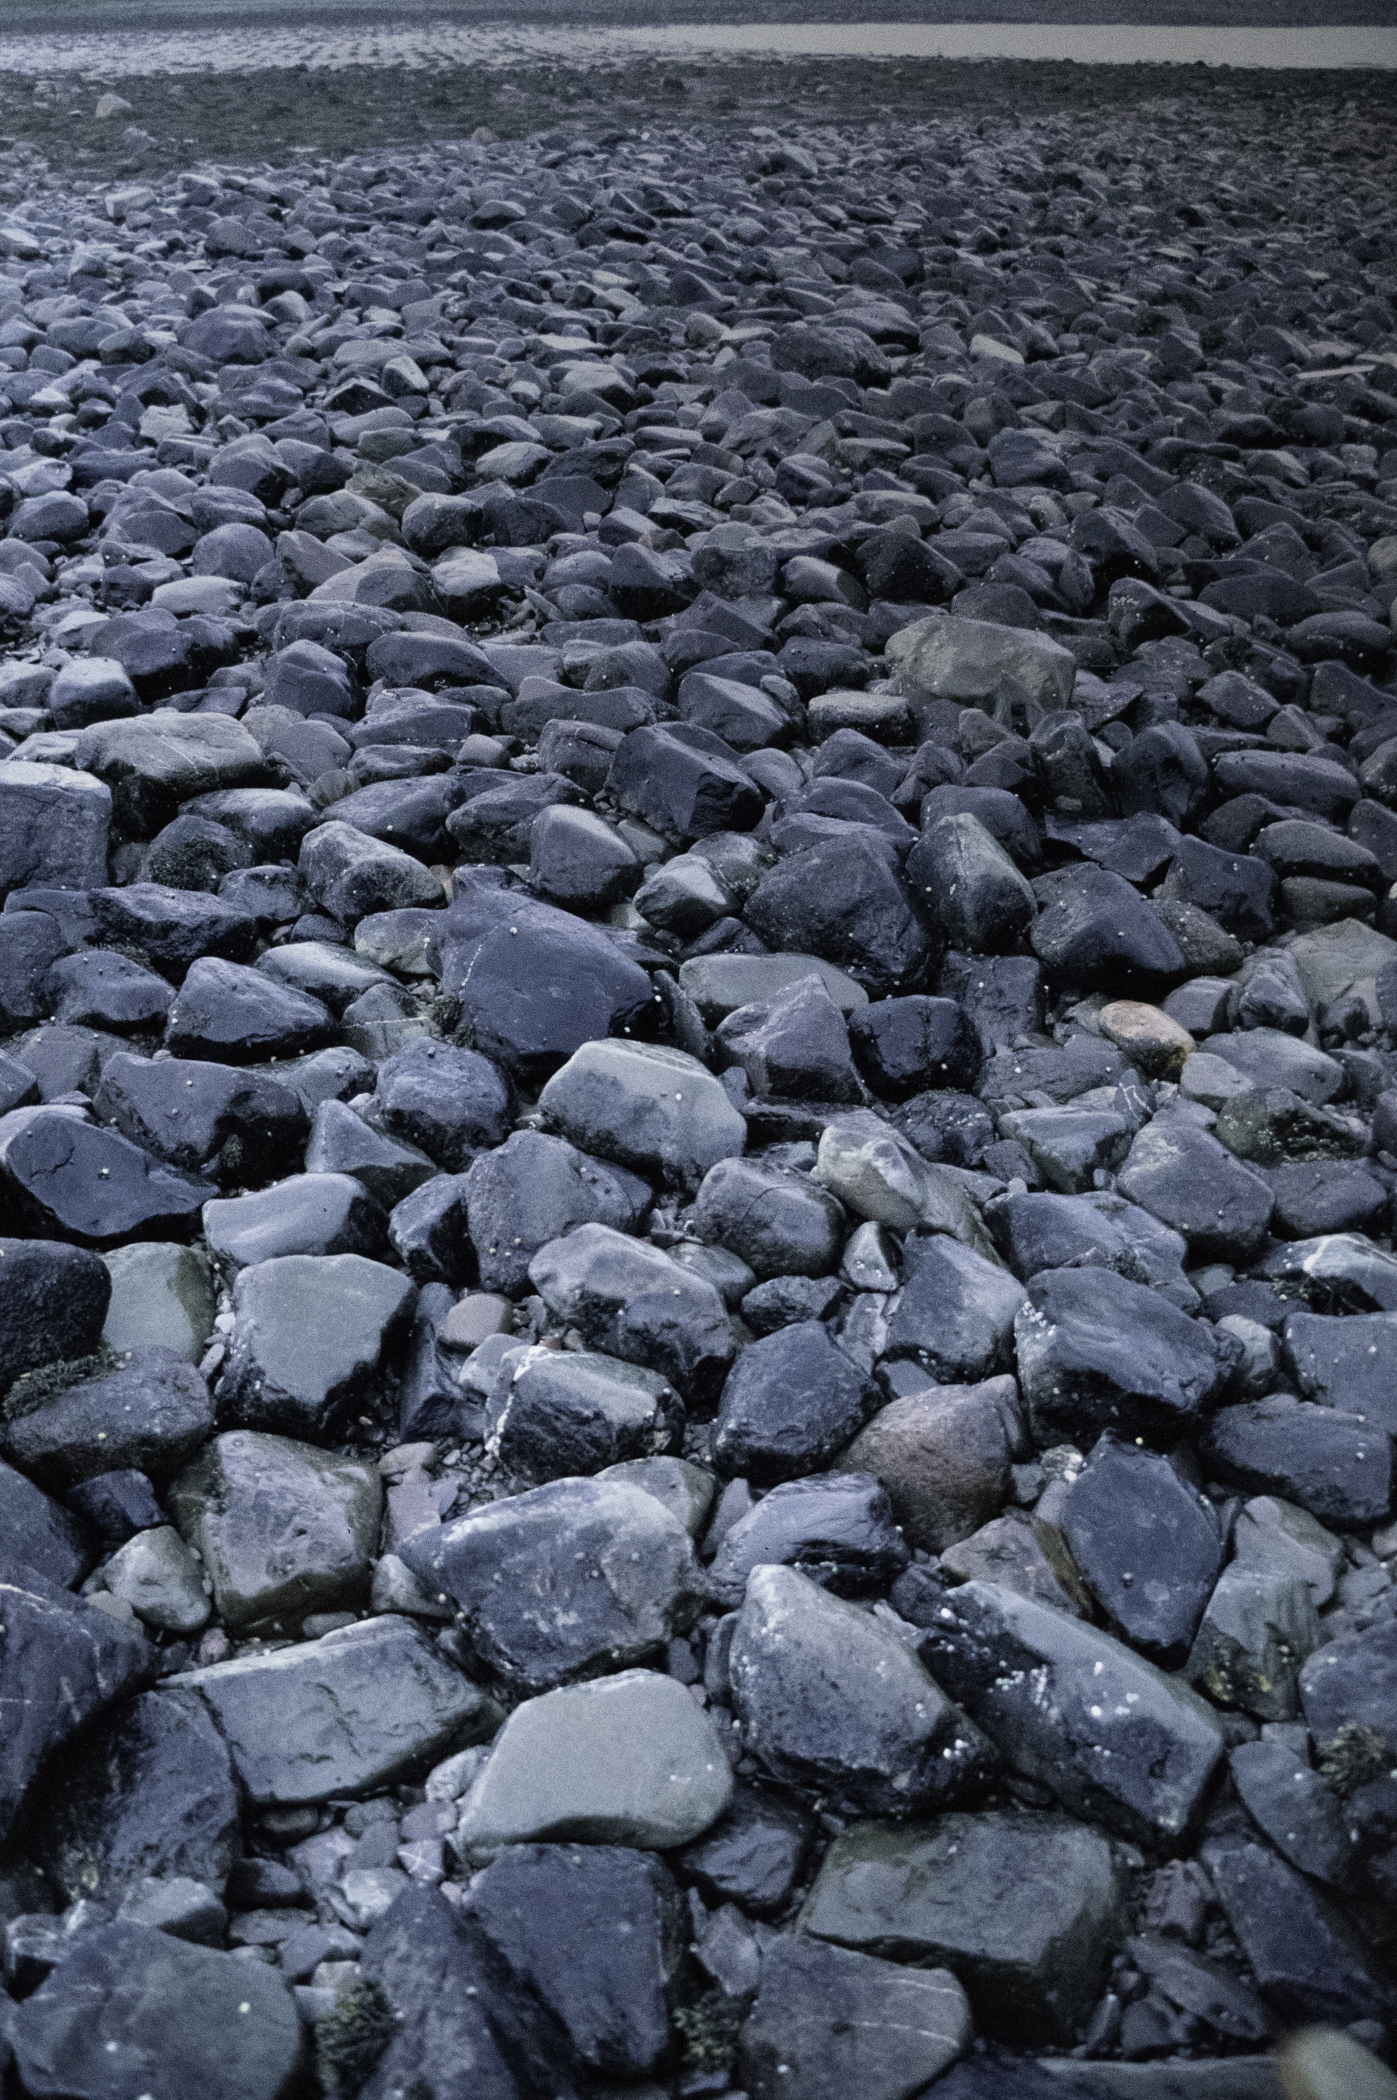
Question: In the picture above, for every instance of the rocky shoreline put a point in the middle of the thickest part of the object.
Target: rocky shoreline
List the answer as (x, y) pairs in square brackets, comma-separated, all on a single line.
[(698, 1105)]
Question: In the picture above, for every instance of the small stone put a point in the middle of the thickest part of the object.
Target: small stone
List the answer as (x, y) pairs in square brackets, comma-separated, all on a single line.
[(160, 1579)]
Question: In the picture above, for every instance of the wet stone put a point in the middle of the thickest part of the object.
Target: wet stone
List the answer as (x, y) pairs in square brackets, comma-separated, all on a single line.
[(307, 1722), (625, 1564), (1024, 1908), (626, 1760), (888, 1744)]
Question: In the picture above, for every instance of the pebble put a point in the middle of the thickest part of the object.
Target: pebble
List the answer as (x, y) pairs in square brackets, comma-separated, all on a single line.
[(696, 1111)]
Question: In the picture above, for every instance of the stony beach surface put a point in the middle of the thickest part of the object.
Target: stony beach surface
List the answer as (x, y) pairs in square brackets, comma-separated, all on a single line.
[(698, 1100)]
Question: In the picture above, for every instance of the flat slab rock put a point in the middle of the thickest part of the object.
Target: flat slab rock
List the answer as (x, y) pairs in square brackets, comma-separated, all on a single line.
[(350, 1711)]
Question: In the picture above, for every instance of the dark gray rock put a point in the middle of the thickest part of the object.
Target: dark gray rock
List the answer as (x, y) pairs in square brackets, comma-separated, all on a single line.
[(623, 1562), (752, 1856), (225, 1011), (239, 1125), (535, 1188), (789, 1403), (171, 929), (632, 1301), (52, 1306), (967, 886), (1097, 1352), (429, 1232), (1056, 1696), (342, 1142), (833, 1699), (310, 1341), (1257, 1629), (62, 1176), (1025, 1909), (282, 1530), (533, 983), (904, 1046), (683, 781), (1309, 1964), (779, 1222), (30, 944), (466, 2026), (315, 1214), (1348, 1364), (597, 1932), (1297, 1809), (1186, 1179), (117, 1504), (955, 1313), (568, 1412), (452, 1104), (1148, 1544), (168, 2012), (62, 1663), (838, 1530), (1095, 932), (1099, 1230), (1351, 1684), (42, 1534), (653, 1108), (345, 1714), (844, 901), (1335, 1465), (351, 874), (795, 1044), (829, 2021), (55, 821), (99, 989), (146, 1409), (148, 1791)]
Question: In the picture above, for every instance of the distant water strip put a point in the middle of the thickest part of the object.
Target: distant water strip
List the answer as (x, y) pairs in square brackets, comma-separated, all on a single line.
[(113, 54)]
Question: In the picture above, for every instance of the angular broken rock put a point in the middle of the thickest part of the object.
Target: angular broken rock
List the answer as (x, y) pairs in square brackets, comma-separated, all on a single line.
[(61, 1663), (630, 1299), (347, 1713), (834, 1699), (654, 1109), (1025, 1908), (1069, 1706), (282, 1529), (565, 1581)]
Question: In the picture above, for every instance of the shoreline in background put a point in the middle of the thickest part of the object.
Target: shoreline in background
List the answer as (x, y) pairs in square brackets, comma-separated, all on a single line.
[(93, 16)]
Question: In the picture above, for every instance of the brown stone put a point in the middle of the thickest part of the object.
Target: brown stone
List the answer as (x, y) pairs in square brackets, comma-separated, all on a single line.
[(1155, 1044), (943, 1456)]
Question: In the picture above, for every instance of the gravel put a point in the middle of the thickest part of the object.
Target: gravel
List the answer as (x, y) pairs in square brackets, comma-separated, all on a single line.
[(698, 1101)]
